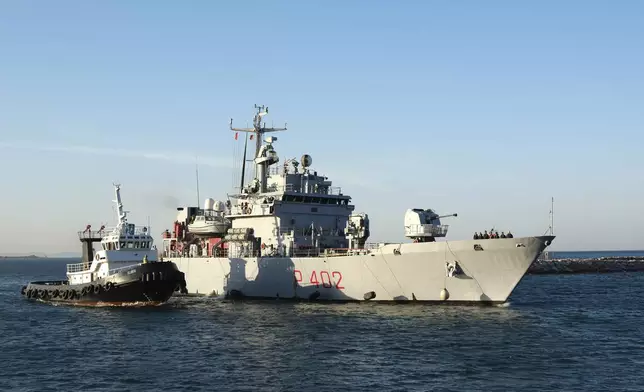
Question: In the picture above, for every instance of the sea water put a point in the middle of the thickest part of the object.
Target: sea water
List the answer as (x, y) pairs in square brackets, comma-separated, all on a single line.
[(557, 333)]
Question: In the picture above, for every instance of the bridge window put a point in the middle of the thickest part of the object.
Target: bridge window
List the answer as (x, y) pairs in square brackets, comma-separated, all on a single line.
[(136, 244)]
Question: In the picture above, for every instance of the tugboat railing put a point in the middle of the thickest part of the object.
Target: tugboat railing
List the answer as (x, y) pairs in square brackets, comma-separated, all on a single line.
[(130, 230), (78, 267), (92, 235)]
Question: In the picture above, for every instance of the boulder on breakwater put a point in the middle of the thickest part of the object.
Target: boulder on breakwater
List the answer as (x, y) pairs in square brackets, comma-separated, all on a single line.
[(594, 265)]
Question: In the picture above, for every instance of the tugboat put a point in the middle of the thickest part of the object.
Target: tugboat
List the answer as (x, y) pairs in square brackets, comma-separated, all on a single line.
[(125, 270)]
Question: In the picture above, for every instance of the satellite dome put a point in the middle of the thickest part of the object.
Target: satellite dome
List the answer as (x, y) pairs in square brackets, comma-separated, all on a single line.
[(306, 160), (219, 206), (208, 204)]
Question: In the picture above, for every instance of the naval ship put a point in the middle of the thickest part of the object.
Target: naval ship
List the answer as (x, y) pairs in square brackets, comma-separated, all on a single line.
[(290, 234), (125, 270)]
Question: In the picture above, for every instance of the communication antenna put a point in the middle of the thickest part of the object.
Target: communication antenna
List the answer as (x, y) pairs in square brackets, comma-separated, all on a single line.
[(197, 174), (552, 216)]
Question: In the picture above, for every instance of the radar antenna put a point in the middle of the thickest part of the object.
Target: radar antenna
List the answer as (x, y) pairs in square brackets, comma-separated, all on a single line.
[(258, 129)]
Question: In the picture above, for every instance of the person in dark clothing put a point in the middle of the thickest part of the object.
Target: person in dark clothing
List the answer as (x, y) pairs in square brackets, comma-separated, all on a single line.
[(476, 236), (486, 235), (503, 234), (510, 235)]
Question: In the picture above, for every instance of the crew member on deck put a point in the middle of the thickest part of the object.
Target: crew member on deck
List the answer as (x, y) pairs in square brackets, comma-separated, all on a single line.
[(486, 235), (510, 235), (503, 234), (145, 259), (476, 236)]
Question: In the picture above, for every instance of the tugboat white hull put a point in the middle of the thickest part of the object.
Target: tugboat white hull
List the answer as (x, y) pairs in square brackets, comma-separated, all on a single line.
[(393, 272)]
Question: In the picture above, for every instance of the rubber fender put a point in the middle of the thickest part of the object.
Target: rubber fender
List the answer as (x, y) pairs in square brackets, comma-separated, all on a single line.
[(369, 295)]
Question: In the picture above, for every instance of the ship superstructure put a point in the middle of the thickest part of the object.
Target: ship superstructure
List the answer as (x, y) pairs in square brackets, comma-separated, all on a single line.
[(293, 234)]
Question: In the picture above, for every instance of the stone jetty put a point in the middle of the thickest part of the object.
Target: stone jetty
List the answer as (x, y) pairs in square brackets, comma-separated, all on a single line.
[(580, 266)]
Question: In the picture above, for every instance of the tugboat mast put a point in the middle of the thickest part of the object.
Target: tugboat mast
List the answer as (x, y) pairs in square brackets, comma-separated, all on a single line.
[(122, 214)]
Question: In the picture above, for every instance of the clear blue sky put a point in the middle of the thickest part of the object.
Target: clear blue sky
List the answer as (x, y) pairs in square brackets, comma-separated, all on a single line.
[(482, 108)]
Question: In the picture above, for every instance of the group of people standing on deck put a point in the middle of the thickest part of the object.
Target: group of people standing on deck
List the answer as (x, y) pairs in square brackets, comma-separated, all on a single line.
[(492, 234)]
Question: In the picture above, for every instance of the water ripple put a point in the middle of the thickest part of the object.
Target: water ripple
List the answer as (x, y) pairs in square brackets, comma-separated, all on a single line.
[(572, 333)]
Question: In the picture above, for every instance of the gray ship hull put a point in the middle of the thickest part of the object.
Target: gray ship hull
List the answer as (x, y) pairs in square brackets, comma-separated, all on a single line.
[(466, 271)]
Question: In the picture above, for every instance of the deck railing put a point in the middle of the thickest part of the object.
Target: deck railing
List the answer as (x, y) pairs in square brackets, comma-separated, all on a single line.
[(426, 230), (306, 231), (78, 267), (126, 230), (295, 188), (95, 235)]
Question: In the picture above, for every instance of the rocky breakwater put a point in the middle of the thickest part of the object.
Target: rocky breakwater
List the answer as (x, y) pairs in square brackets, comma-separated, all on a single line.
[(594, 265)]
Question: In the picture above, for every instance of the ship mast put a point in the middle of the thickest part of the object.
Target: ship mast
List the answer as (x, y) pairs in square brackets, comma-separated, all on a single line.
[(243, 173), (258, 131), (122, 214)]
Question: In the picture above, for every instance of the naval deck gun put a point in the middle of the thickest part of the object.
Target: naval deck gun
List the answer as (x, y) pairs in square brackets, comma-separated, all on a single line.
[(425, 225)]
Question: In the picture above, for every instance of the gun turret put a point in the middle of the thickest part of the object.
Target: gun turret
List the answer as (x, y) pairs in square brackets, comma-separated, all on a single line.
[(425, 225)]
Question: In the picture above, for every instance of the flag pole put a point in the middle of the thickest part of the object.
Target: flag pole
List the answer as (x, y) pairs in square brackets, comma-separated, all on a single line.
[(197, 175)]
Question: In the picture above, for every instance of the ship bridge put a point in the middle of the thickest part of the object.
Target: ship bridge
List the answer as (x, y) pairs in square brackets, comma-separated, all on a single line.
[(289, 205)]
